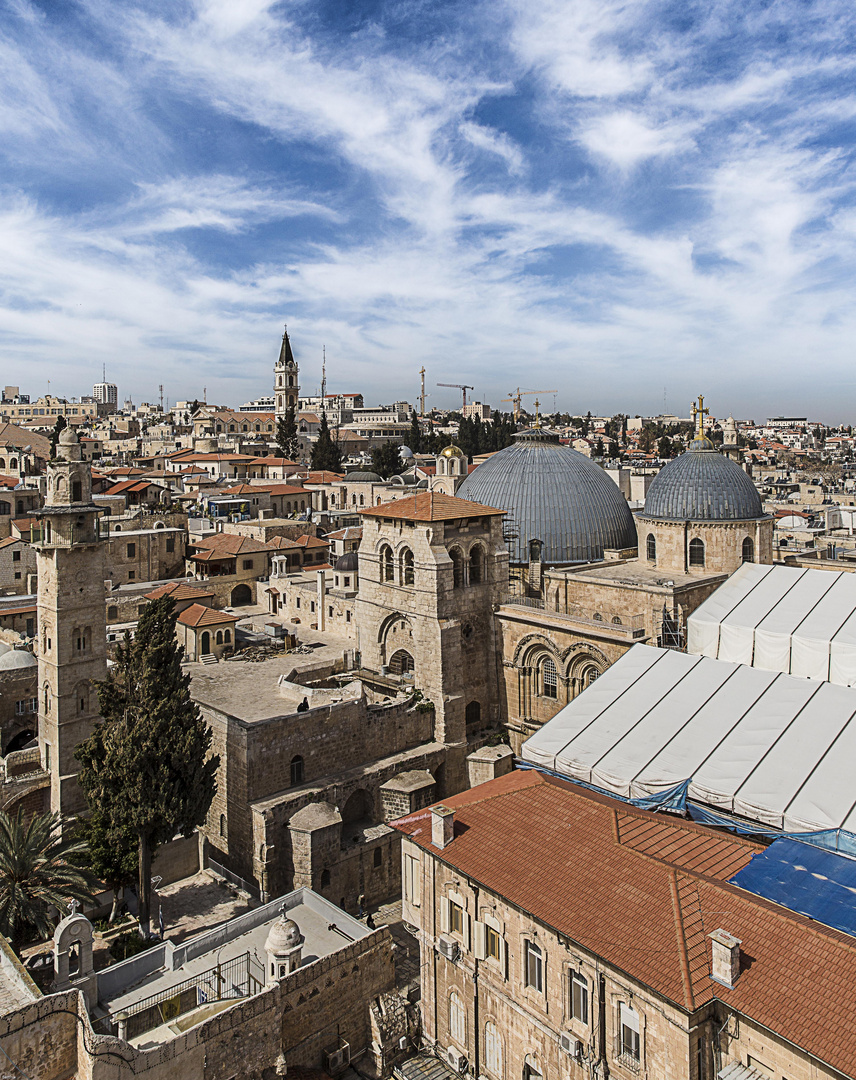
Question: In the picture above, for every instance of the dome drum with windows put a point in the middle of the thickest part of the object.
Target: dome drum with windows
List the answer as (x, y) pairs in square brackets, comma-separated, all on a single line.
[(703, 513)]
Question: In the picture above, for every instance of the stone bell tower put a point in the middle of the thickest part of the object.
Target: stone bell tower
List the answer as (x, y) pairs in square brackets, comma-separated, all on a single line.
[(72, 631), (286, 378)]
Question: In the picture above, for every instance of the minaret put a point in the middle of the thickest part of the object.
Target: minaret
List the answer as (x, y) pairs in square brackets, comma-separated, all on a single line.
[(72, 630), (286, 378)]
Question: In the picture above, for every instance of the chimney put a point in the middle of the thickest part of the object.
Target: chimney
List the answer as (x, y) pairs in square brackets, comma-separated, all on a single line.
[(442, 826), (725, 958)]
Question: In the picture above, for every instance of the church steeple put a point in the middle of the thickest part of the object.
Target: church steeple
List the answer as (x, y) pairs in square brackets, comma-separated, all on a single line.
[(286, 378)]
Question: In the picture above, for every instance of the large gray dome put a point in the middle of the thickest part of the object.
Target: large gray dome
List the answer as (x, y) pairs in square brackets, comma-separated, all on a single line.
[(702, 485), (555, 495)]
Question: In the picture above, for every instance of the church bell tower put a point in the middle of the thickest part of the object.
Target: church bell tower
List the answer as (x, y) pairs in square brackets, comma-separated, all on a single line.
[(286, 381), (72, 631)]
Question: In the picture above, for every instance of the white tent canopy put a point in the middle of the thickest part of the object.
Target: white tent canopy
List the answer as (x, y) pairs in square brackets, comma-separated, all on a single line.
[(760, 744), (780, 618)]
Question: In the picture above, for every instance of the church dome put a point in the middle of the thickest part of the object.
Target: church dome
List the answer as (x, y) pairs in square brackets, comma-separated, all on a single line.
[(363, 476), (17, 658), (555, 495), (347, 563), (451, 451), (702, 485), (284, 935)]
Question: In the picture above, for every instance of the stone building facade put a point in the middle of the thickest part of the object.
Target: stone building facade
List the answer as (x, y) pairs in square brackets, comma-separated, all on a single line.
[(432, 569), (72, 643), (539, 959)]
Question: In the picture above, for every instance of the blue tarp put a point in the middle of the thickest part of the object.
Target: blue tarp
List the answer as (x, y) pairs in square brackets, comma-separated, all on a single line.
[(804, 878)]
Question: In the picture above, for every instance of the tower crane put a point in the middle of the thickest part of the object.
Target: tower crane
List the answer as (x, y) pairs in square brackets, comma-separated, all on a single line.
[(458, 386), (516, 395)]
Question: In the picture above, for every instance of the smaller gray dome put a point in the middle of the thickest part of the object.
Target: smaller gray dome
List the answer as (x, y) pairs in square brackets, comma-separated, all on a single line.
[(702, 485), (4, 647), (363, 476), (67, 437), (348, 562), (16, 659), (284, 935)]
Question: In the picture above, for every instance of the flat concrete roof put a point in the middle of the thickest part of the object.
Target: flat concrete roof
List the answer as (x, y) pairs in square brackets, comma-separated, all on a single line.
[(324, 927), (635, 573)]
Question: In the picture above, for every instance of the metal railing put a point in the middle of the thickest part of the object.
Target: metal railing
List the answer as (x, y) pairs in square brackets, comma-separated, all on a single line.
[(235, 879), (241, 977)]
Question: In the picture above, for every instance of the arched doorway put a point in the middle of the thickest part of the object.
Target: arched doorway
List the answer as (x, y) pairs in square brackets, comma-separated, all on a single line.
[(359, 807), (401, 662), (20, 741), (241, 594), (205, 643), (472, 714)]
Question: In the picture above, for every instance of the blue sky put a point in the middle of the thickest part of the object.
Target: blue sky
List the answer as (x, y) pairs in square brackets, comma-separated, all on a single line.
[(612, 199)]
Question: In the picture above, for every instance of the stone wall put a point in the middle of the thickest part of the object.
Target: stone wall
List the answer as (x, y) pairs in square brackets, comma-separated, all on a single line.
[(17, 685), (41, 1039), (723, 543), (145, 555)]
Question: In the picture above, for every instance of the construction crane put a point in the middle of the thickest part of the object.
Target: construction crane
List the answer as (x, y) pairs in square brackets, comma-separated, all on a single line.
[(458, 386), (516, 395)]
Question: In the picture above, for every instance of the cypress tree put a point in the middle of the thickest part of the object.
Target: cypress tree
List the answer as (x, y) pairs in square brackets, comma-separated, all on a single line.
[(326, 455), (146, 768), (58, 428), (415, 433), (287, 441)]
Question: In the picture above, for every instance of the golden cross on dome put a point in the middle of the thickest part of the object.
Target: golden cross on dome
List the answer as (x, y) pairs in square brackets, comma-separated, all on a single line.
[(699, 413)]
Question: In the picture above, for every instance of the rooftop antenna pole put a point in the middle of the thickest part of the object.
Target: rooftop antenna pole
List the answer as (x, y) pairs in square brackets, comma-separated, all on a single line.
[(160, 389), (422, 392), (104, 373)]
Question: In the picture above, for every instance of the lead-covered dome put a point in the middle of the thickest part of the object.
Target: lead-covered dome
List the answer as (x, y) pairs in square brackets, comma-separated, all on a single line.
[(702, 485), (555, 495)]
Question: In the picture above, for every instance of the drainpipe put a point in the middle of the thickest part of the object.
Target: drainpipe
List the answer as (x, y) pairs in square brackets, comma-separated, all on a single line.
[(601, 1026), (476, 962)]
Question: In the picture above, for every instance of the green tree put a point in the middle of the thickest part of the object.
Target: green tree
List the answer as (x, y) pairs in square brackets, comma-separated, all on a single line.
[(586, 423), (58, 428), (614, 450), (598, 448), (416, 440), (114, 854), (146, 767), (386, 459), (39, 869), (664, 447), (287, 441), (326, 455)]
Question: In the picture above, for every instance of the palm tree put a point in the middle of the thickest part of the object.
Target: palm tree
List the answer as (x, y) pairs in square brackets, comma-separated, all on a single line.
[(39, 869)]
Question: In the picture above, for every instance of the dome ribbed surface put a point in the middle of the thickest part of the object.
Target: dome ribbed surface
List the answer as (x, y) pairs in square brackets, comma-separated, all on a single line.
[(17, 658), (348, 561), (555, 495), (702, 485), (363, 476)]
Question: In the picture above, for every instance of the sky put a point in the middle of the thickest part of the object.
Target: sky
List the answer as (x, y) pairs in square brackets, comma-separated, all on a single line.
[(627, 203)]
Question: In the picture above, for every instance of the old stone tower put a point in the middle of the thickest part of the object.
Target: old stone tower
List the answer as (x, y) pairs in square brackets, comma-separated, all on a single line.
[(72, 632), (451, 466), (432, 567), (286, 379)]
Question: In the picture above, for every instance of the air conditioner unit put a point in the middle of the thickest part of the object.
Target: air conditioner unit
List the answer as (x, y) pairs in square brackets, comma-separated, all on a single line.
[(456, 1059), (337, 1058), (447, 947), (571, 1045)]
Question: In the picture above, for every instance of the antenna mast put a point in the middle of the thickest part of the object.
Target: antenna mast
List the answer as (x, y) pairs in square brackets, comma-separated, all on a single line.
[(422, 392)]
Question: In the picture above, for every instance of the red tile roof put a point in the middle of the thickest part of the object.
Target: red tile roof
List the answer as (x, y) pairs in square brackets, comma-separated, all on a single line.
[(178, 590), (643, 892), (430, 506), (9, 481), (227, 545), (197, 615)]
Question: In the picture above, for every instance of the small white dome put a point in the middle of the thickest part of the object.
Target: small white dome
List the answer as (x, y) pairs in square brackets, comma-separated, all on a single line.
[(17, 658), (284, 936)]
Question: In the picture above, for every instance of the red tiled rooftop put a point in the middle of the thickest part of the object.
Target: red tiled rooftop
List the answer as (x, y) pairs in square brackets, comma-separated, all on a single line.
[(643, 892), (430, 506), (178, 590), (198, 615)]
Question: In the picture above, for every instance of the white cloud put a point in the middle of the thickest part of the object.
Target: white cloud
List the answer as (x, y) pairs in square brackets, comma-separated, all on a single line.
[(625, 139)]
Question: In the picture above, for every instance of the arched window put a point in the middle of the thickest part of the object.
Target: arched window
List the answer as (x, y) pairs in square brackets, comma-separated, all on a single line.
[(227, 636), (476, 564), (549, 678), (386, 563), (405, 560), (748, 550), (457, 1020), (589, 676), (222, 824), (457, 567), (362, 500), (492, 1049), (76, 491), (696, 552), (597, 617), (651, 548), (296, 770), (219, 637), (616, 621)]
